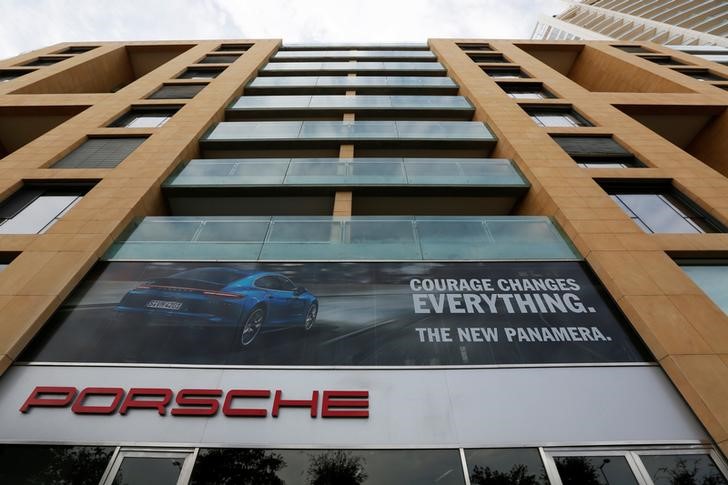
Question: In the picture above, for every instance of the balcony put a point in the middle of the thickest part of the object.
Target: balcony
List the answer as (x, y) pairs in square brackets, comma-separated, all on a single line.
[(231, 135), (300, 68), (357, 172), (330, 238), (390, 55), (362, 84), (333, 106)]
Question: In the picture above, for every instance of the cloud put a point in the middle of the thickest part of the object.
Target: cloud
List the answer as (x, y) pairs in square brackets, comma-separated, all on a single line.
[(31, 24)]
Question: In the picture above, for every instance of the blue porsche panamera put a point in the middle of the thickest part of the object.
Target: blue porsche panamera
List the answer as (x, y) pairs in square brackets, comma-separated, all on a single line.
[(248, 300)]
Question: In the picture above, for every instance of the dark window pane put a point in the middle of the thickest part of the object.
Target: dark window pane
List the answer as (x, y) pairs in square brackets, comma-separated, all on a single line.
[(657, 213), (514, 466), (632, 49), (200, 74), (683, 470), (219, 59), (59, 465), (100, 153), (144, 118), (590, 146), (9, 75), (327, 467), (78, 49), (177, 91), (475, 47), (594, 470), (148, 470), (234, 47)]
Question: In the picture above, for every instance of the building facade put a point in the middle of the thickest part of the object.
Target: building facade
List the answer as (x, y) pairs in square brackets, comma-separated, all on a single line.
[(462, 262), (675, 22)]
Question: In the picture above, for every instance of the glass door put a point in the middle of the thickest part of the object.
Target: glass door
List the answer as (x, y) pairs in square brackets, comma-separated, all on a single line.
[(148, 466)]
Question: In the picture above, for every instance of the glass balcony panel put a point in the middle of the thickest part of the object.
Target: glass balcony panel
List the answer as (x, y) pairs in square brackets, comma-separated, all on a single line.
[(353, 66), (165, 229), (357, 171), (527, 237), (260, 102), (342, 238), (351, 82), (233, 230), (432, 102), (453, 238), (439, 130), (353, 54), (312, 230), (358, 130), (351, 102), (233, 130)]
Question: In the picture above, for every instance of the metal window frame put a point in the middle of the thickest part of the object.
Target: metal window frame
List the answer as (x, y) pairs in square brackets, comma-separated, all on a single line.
[(189, 456)]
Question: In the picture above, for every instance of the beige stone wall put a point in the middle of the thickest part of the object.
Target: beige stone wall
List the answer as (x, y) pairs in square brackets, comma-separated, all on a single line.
[(687, 333)]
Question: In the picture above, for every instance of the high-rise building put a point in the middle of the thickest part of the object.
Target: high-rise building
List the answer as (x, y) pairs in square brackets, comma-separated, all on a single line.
[(461, 262), (673, 22)]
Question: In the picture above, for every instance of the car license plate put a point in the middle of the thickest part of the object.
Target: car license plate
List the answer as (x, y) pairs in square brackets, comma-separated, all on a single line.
[(164, 305)]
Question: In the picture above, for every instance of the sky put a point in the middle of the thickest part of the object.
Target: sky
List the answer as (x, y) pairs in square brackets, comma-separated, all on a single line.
[(29, 24)]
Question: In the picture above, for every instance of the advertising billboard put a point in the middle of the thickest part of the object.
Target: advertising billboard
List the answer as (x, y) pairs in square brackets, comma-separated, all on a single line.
[(338, 314)]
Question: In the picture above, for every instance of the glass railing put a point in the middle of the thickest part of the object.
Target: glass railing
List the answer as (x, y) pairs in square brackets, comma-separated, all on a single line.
[(490, 172), (332, 238), (353, 82), (352, 66), (350, 102), (350, 131), (353, 54)]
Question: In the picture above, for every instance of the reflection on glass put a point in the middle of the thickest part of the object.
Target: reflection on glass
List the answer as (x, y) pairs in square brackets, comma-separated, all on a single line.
[(353, 66), (594, 470), (62, 465), (353, 54), (353, 102), (39, 214), (713, 280), (148, 471), (327, 467), (691, 469), (507, 466), (353, 130), (661, 213), (362, 237), (351, 82)]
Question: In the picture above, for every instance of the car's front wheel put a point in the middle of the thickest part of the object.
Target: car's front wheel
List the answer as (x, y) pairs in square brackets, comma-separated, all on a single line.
[(311, 315), (252, 325)]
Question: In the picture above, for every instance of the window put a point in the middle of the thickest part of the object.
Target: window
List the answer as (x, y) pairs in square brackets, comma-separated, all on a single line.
[(177, 91), (33, 209), (6, 258), (200, 73), (100, 153), (597, 152), (46, 61), (505, 72), (701, 74), (234, 47), (29, 464), (711, 276), (660, 209), (483, 58), (662, 60), (260, 466), (505, 466), (151, 117), (633, 49), (78, 49), (8, 74), (218, 59), (475, 47), (609, 466), (556, 116), (148, 465), (526, 90)]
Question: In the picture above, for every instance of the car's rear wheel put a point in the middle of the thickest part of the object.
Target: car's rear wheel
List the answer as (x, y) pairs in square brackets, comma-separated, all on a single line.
[(311, 315), (252, 325)]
